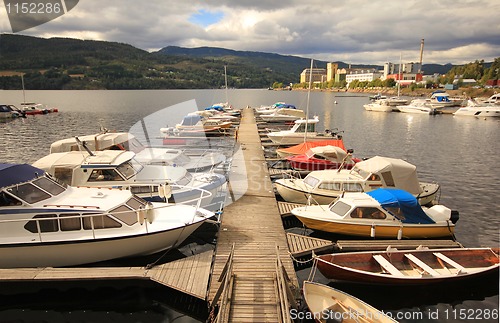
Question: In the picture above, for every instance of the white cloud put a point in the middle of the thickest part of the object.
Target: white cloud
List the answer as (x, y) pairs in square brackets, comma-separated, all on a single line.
[(357, 31)]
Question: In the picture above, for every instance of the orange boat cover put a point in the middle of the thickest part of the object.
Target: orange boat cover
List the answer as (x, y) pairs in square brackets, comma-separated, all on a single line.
[(305, 146)]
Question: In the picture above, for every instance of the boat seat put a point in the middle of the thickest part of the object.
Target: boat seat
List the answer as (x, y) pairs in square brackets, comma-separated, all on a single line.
[(422, 265), (460, 268), (387, 266)]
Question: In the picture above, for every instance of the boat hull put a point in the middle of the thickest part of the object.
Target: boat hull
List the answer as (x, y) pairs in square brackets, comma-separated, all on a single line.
[(293, 192), (79, 252), (362, 267), (327, 303), (378, 230)]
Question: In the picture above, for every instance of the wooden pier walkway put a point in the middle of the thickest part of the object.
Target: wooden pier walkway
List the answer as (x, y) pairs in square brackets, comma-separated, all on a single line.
[(252, 232)]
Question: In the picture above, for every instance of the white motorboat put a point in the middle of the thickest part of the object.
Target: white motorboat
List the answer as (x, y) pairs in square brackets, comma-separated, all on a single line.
[(196, 125), (44, 223), (444, 103), (302, 130), (381, 105), (323, 186), (420, 106), (283, 115), (494, 99), (387, 213), (144, 155), (475, 109), (119, 169), (9, 111), (265, 109)]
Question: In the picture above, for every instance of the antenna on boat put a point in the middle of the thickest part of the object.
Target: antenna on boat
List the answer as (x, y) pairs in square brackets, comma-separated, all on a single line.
[(308, 96), (84, 145)]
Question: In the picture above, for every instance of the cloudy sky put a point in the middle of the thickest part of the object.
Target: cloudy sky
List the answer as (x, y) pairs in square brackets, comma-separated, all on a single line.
[(352, 31)]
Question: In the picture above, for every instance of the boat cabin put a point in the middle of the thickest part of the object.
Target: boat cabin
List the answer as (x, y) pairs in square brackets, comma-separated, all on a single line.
[(301, 125), (108, 167)]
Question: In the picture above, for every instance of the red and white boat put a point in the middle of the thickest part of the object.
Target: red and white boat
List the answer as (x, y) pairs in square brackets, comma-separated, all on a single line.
[(31, 108), (321, 158)]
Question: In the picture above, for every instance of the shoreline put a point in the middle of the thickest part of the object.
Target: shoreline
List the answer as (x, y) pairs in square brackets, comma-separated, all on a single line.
[(419, 92)]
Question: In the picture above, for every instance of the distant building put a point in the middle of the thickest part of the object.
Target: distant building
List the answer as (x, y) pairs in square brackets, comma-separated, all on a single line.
[(331, 71), (406, 78), (363, 75), (409, 68), (318, 75)]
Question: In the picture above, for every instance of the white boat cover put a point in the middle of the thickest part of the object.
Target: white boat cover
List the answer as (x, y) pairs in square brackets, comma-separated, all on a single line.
[(404, 174)]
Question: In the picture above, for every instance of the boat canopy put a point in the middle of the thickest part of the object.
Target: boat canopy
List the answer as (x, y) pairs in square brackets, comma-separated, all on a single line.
[(98, 141), (11, 174), (392, 199), (191, 120), (305, 146), (395, 172), (329, 151)]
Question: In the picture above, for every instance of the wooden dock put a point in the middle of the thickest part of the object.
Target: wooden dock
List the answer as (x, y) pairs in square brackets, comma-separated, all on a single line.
[(253, 285), (189, 275)]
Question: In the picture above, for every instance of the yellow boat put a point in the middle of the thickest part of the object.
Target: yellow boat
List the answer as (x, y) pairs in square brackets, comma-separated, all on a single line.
[(382, 213)]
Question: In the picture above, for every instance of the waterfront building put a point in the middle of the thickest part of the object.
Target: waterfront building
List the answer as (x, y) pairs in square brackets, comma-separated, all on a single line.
[(318, 75)]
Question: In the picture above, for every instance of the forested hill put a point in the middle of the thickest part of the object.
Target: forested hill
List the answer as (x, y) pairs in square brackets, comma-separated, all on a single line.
[(64, 63)]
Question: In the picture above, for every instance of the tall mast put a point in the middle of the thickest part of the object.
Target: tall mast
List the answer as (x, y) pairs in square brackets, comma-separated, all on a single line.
[(308, 95), (225, 80), (24, 94), (400, 75)]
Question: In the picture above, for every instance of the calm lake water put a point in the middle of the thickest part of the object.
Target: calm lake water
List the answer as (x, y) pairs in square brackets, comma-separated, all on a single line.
[(459, 153)]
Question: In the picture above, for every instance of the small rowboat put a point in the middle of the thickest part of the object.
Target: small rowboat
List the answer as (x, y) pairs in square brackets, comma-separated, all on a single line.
[(410, 267), (328, 304)]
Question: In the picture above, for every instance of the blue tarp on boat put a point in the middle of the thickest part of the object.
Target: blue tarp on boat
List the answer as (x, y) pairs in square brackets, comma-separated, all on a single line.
[(395, 198), (215, 107), (286, 106), (11, 174)]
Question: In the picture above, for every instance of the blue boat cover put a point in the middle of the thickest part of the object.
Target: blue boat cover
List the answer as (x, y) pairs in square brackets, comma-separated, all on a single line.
[(286, 106), (190, 120), (11, 174), (396, 198), (216, 107)]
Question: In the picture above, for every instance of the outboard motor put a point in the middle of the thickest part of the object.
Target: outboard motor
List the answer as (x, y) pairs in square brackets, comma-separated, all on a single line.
[(454, 216)]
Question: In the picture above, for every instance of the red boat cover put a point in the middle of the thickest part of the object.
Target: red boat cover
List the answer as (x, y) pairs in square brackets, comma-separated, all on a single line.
[(305, 146)]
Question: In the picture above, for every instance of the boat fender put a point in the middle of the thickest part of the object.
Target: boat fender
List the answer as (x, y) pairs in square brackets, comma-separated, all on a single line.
[(400, 233), (372, 231), (141, 214), (150, 213)]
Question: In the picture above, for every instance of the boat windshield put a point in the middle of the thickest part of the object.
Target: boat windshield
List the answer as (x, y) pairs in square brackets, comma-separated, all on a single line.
[(340, 208), (38, 190), (359, 172), (181, 159), (130, 168), (311, 181), (133, 145), (185, 180), (49, 185), (29, 193)]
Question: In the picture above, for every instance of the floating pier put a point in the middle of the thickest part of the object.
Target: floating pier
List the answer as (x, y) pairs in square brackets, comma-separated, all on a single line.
[(253, 277)]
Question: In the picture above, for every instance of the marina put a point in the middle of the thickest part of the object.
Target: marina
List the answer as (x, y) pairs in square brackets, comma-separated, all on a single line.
[(249, 275)]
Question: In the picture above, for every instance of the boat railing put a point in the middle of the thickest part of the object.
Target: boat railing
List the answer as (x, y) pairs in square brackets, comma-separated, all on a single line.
[(286, 298), (224, 292)]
